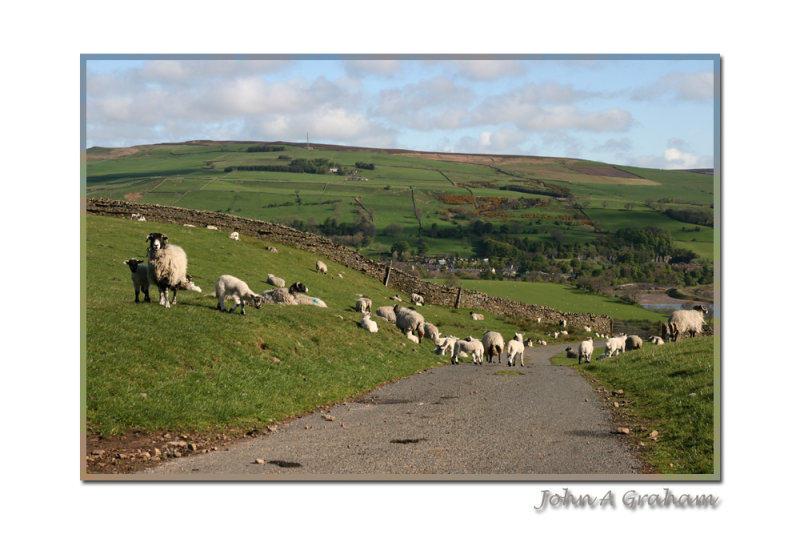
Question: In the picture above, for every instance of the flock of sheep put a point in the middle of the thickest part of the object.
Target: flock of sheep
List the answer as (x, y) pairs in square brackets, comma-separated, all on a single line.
[(166, 269)]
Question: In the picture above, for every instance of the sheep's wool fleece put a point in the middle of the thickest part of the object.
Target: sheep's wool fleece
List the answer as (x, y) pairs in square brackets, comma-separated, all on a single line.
[(167, 265)]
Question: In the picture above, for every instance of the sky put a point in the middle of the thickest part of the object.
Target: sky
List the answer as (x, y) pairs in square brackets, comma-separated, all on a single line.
[(648, 111)]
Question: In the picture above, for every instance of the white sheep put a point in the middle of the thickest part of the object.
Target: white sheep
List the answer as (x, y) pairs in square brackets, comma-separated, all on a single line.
[(615, 345), (564, 333), (321, 267), (447, 343), (166, 267), (686, 321), (633, 343), (272, 249), (492, 345), (409, 320), (275, 281), (387, 313), (302, 298), (139, 277), (364, 304), (431, 331), (396, 298), (586, 328), (234, 236), (541, 342), (228, 286), (211, 227), (284, 295), (471, 347), (476, 316), (563, 322), (515, 348), (367, 323), (585, 351), (656, 340), (417, 299)]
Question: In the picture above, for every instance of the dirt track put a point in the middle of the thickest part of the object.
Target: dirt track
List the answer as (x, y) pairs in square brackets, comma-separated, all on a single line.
[(453, 422)]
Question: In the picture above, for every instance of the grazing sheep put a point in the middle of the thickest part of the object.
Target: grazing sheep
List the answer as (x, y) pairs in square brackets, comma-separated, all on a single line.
[(541, 342), (364, 304), (564, 333), (272, 249), (139, 277), (411, 336), (447, 343), (228, 286), (563, 322), (275, 281), (407, 319), (367, 323), (321, 267), (138, 217), (476, 316), (492, 345), (431, 331), (585, 350), (655, 340), (633, 343), (386, 312), (396, 298), (234, 236), (586, 328), (471, 347), (417, 299), (686, 321), (166, 267), (516, 348), (615, 345)]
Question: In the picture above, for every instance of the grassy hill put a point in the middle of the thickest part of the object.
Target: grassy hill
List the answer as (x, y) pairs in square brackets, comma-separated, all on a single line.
[(406, 191)]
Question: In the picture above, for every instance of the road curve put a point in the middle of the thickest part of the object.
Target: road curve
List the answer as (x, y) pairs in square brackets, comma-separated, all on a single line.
[(454, 422)]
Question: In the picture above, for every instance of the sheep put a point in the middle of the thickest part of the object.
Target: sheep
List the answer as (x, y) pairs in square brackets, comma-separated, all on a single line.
[(284, 295), (387, 313), (431, 331), (321, 267), (571, 353), (364, 304), (367, 323), (471, 347), (234, 236), (447, 343), (272, 249), (211, 227), (476, 316), (138, 217), (655, 340), (564, 333), (615, 345), (492, 345), (166, 267), (301, 298), (409, 320), (417, 299), (633, 343), (542, 342), (586, 328), (555, 335), (528, 342), (139, 277), (585, 350), (563, 322), (228, 286), (411, 336), (396, 298), (275, 281), (686, 321), (515, 348), (189, 225)]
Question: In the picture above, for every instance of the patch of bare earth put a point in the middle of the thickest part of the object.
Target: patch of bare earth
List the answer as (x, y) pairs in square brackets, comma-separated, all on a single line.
[(110, 153), (133, 197)]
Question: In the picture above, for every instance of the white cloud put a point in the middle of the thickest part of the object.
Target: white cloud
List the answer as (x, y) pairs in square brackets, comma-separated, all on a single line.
[(679, 160), (488, 69), (501, 141), (365, 67), (435, 103), (695, 87)]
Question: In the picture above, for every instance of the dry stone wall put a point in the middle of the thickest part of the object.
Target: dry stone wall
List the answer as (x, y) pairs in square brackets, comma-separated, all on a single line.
[(399, 280)]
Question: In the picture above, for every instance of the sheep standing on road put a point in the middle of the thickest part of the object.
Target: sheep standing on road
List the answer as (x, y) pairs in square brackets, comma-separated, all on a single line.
[(471, 347), (228, 286), (585, 350), (447, 343), (686, 321), (492, 345), (139, 277), (516, 347), (615, 345), (166, 267)]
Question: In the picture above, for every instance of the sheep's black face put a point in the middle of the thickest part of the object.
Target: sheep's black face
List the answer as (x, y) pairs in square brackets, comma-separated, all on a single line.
[(157, 240), (298, 287), (132, 264)]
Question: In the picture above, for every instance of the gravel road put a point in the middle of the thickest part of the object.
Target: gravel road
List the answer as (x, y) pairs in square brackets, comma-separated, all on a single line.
[(449, 423)]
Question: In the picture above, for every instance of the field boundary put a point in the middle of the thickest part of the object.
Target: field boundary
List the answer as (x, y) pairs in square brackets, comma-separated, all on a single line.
[(399, 280)]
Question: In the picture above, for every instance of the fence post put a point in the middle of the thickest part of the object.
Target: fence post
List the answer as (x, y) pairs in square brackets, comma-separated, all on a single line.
[(388, 270), (458, 298)]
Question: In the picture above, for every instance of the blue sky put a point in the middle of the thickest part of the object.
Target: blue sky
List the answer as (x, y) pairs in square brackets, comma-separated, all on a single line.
[(652, 111)]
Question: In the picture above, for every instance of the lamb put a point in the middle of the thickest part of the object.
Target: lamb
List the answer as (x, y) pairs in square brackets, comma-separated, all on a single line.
[(166, 267), (321, 267), (364, 304), (447, 343), (471, 347), (655, 340), (417, 299), (275, 281), (615, 345), (476, 316), (516, 348), (387, 312), (273, 250), (408, 320), (633, 343), (686, 321), (585, 350), (228, 286), (234, 236), (139, 277), (367, 323), (492, 345)]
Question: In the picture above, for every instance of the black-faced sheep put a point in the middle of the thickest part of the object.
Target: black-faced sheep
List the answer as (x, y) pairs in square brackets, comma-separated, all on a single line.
[(686, 322), (633, 343), (139, 277), (166, 267), (228, 286), (492, 345), (321, 267), (571, 353), (655, 340)]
